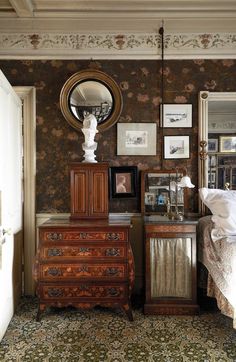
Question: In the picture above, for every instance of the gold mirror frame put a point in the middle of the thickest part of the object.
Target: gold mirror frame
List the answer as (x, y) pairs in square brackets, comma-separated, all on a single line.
[(203, 105), (94, 75)]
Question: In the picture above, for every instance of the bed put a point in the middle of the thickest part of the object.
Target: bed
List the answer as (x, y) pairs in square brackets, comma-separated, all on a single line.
[(217, 248)]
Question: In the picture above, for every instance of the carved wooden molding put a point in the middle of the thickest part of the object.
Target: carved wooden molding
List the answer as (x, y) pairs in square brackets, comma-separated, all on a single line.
[(108, 45)]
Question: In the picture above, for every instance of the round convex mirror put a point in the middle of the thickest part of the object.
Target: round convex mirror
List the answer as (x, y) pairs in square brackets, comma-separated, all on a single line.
[(94, 92)]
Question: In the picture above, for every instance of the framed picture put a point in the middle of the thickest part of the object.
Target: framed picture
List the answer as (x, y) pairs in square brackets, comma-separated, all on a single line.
[(123, 181), (212, 145), (150, 198), (158, 191), (177, 115), (227, 144), (212, 177), (136, 139), (176, 147)]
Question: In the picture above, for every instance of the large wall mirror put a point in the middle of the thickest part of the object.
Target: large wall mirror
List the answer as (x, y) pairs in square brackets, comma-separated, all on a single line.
[(91, 91), (217, 140)]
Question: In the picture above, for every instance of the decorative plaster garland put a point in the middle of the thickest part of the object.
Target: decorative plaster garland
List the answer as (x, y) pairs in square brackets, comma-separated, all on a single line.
[(55, 45)]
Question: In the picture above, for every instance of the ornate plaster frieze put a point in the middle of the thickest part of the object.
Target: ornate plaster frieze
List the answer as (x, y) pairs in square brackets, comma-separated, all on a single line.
[(138, 45)]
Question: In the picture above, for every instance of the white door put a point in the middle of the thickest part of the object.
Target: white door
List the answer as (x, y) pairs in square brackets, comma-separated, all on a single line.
[(10, 193)]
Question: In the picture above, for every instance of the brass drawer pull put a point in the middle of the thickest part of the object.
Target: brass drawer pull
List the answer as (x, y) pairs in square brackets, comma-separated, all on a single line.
[(113, 252), (53, 292), (54, 236), (112, 236), (112, 271), (113, 292), (54, 252), (54, 272)]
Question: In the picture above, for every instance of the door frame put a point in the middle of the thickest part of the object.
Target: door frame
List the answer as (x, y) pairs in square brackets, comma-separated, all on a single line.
[(28, 97)]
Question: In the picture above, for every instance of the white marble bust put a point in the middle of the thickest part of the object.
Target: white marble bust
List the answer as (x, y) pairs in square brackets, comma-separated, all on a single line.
[(89, 130)]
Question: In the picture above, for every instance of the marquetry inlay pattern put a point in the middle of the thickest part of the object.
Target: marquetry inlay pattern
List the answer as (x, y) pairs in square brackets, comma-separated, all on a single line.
[(85, 252), (84, 291), (84, 266), (96, 271), (70, 236), (171, 228)]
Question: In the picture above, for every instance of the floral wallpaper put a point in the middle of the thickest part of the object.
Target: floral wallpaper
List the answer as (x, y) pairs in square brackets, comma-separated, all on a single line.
[(140, 81)]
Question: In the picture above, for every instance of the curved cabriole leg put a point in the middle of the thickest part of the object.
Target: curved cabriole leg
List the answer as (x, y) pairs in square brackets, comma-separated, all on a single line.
[(41, 309), (128, 311)]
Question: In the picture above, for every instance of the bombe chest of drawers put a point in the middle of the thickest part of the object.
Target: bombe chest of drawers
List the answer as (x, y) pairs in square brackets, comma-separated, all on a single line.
[(84, 264)]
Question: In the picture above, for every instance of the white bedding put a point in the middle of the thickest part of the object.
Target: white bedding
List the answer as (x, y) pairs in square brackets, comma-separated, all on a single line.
[(222, 204), (219, 257)]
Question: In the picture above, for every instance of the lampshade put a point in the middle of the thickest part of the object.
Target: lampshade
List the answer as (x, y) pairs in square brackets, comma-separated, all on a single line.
[(173, 185), (186, 182)]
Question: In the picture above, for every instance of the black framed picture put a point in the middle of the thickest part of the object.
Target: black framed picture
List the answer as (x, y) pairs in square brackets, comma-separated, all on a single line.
[(176, 115), (123, 181), (176, 147)]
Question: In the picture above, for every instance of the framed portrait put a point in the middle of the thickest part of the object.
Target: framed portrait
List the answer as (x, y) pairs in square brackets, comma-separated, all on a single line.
[(123, 181), (212, 145), (176, 115), (176, 147), (136, 139), (228, 144)]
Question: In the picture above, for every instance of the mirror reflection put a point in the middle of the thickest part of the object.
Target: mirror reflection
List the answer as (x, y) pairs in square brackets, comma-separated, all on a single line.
[(93, 92), (217, 135), (91, 97)]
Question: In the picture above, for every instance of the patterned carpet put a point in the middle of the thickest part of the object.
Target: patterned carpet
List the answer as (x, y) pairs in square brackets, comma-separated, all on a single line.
[(101, 335)]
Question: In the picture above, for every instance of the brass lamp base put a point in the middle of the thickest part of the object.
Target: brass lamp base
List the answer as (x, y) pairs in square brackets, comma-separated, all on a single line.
[(179, 216)]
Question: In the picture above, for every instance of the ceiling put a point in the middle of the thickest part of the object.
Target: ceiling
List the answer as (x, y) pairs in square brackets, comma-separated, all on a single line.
[(118, 15)]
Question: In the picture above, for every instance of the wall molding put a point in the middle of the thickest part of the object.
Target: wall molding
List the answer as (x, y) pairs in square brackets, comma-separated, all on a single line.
[(28, 97), (120, 46)]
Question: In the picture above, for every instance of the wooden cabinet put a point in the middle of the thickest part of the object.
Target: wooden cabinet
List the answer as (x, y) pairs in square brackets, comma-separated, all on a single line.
[(89, 190), (171, 274), (84, 264)]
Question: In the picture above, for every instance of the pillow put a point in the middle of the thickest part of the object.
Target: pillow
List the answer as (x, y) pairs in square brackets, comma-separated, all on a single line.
[(222, 204)]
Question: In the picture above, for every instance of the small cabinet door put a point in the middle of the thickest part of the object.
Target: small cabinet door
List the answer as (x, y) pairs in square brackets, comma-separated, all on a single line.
[(99, 193), (89, 190), (79, 192)]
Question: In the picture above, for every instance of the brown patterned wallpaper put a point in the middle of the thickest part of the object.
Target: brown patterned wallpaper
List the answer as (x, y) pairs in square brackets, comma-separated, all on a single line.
[(58, 143)]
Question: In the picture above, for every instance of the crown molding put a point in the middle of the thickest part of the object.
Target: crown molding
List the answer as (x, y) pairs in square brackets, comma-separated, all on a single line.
[(23, 8), (118, 46), (62, 8)]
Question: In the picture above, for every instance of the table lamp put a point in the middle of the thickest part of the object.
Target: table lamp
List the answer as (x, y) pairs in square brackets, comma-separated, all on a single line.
[(175, 186)]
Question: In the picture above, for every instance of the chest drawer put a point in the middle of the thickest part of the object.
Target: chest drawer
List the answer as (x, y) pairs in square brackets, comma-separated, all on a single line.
[(83, 235), (83, 291), (84, 251), (80, 270)]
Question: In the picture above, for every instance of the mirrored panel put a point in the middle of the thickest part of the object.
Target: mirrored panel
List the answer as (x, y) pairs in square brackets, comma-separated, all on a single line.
[(217, 141), (91, 97), (91, 92)]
